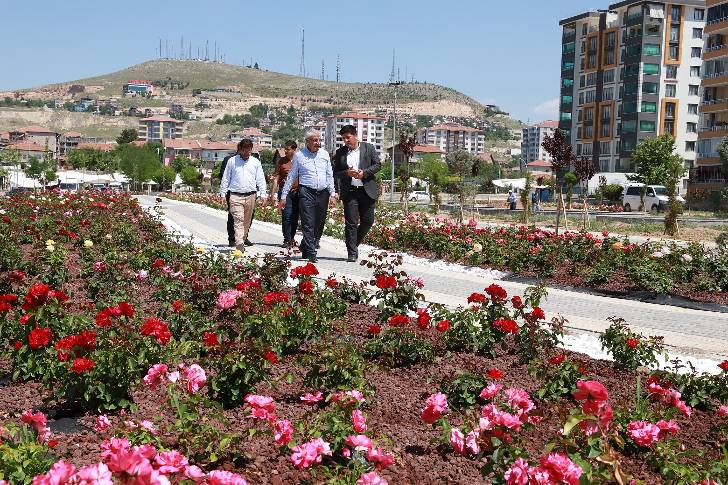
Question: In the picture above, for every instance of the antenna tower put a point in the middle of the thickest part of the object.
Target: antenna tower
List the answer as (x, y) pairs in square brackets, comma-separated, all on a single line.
[(338, 68), (302, 67), (391, 75)]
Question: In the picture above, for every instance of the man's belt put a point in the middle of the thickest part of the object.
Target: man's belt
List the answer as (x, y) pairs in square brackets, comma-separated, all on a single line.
[(326, 189), (243, 194)]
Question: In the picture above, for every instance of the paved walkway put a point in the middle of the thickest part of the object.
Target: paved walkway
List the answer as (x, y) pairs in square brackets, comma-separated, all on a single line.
[(693, 331)]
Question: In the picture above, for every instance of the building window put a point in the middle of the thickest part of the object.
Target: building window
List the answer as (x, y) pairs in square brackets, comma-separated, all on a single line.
[(633, 50), (588, 132), (673, 53), (582, 81), (630, 89), (608, 94), (591, 79), (605, 148), (629, 107), (629, 126), (671, 72), (697, 33), (695, 52), (649, 68), (608, 76), (693, 90), (698, 14), (692, 109), (694, 71), (581, 99), (669, 110), (670, 90), (649, 88), (647, 126), (591, 96), (692, 127), (652, 49), (675, 14), (689, 146), (669, 127), (648, 107)]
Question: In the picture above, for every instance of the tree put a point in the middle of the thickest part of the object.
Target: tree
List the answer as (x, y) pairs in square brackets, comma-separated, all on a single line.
[(653, 158), (433, 170), (562, 157), (266, 156), (285, 133), (585, 170), (570, 179), (139, 164), (164, 176), (180, 162), (10, 156), (675, 172), (460, 164), (525, 193), (34, 169), (191, 177), (407, 146)]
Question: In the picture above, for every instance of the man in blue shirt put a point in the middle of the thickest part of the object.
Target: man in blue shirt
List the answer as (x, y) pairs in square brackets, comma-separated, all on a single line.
[(316, 192), (243, 178)]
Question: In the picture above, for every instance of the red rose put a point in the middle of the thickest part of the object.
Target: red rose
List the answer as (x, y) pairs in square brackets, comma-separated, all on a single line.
[(535, 315), (497, 293), (423, 320), (52, 443), (633, 343), (103, 319), (557, 359), (39, 337), (82, 364), (591, 390), (308, 270), (18, 345), (724, 365), (443, 326), (156, 328), (384, 282), (24, 319), (398, 320), (506, 325), (39, 290), (331, 282), (158, 263), (305, 287), (494, 373), (210, 339), (5, 307), (374, 329), (275, 297), (477, 298), (126, 309), (177, 306), (517, 302), (270, 356)]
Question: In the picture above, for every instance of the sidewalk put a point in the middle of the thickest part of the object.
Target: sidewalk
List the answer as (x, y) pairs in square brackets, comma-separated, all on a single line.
[(693, 331)]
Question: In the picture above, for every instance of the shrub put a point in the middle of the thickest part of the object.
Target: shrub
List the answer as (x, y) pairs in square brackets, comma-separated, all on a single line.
[(558, 375), (613, 192), (335, 367), (23, 456), (463, 392), (629, 349), (398, 347)]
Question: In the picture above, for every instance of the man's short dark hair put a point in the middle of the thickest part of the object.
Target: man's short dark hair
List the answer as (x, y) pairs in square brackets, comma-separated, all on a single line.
[(245, 142), (351, 129), (291, 144)]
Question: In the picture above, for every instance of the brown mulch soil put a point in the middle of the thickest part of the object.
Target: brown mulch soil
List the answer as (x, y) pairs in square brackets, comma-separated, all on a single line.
[(393, 416)]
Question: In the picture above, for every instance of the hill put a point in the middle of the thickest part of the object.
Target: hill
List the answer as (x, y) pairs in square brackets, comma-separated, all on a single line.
[(268, 84)]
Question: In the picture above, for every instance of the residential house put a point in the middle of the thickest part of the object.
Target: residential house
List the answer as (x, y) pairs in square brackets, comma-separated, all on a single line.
[(157, 128), (28, 149), (418, 153), (257, 136), (37, 134)]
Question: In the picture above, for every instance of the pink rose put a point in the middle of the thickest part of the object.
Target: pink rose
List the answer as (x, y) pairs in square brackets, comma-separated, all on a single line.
[(98, 474), (195, 377), (359, 442), (371, 478), (490, 391), (171, 462), (359, 421), (380, 459), (222, 477), (309, 398), (457, 440), (227, 299), (517, 474), (102, 422), (282, 431), (643, 433), (155, 375), (436, 405), (60, 473)]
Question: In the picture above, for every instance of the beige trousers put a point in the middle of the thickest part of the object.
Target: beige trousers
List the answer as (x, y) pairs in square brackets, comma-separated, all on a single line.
[(241, 208)]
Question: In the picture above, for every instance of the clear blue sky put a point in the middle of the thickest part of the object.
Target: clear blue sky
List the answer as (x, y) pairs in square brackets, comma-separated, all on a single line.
[(506, 53)]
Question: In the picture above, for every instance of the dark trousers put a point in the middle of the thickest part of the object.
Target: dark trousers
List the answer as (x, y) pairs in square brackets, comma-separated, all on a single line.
[(313, 207), (289, 223), (358, 216), (230, 223)]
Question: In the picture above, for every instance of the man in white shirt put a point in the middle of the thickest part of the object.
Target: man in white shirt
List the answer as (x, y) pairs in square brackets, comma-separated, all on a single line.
[(243, 178), (312, 167)]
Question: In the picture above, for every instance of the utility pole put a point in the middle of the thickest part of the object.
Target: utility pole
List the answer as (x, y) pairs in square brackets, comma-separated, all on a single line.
[(160, 47), (323, 73), (394, 136), (181, 47), (207, 50)]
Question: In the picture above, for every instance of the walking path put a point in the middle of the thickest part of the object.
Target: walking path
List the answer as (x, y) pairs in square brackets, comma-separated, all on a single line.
[(696, 332)]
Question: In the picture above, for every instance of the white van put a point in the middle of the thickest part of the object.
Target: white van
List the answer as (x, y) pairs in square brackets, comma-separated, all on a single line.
[(655, 198)]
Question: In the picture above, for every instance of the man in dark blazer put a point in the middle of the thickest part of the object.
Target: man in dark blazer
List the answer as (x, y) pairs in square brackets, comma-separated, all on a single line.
[(355, 167)]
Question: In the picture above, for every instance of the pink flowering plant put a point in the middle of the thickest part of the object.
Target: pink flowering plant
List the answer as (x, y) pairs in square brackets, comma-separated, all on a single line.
[(24, 449), (630, 349)]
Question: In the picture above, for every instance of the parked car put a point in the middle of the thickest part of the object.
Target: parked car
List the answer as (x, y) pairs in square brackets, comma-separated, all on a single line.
[(419, 196), (655, 198)]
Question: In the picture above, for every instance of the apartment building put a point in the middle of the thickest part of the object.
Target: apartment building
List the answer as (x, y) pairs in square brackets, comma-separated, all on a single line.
[(369, 128), (629, 73), (257, 136), (450, 137), (533, 136), (707, 175), (157, 128)]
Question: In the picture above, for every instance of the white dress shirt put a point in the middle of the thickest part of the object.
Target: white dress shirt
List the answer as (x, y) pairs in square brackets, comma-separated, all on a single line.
[(313, 170), (352, 160), (243, 176)]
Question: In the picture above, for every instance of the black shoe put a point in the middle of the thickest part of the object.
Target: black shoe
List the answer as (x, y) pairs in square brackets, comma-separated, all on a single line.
[(247, 242), (352, 259), (231, 244)]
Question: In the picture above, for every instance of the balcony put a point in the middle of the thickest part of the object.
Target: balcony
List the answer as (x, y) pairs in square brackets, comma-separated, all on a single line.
[(715, 51), (716, 25), (717, 130), (714, 105), (715, 78)]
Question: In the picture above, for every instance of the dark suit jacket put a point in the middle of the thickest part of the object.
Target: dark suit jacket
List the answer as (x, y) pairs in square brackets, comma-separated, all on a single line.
[(368, 162)]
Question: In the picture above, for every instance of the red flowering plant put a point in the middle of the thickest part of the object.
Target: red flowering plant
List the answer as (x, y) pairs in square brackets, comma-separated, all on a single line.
[(397, 345), (396, 293), (558, 374), (630, 349)]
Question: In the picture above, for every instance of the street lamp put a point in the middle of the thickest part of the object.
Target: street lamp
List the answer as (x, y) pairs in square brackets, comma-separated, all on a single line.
[(394, 137)]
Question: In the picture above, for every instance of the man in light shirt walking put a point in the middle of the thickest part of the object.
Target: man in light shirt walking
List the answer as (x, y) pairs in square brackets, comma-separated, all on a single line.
[(316, 192), (244, 179)]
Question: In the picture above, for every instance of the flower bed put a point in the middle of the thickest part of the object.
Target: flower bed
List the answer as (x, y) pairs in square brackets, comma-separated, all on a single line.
[(576, 259), (181, 366)]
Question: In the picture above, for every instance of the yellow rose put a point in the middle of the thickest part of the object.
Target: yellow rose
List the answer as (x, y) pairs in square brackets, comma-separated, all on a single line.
[(200, 250), (237, 253), (50, 242), (617, 245), (88, 243)]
